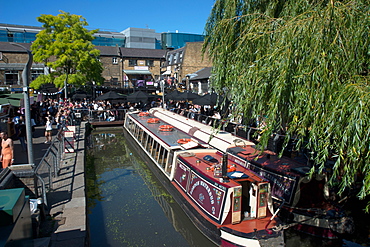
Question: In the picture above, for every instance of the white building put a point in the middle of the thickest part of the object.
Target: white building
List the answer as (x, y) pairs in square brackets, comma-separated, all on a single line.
[(143, 38)]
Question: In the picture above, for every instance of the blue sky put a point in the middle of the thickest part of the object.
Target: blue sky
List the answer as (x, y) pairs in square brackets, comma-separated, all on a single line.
[(186, 16)]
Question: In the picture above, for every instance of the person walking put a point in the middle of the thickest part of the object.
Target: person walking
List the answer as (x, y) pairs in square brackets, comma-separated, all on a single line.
[(48, 130), (7, 150), (22, 134)]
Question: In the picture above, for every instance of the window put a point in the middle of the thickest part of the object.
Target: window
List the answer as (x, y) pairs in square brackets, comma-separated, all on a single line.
[(132, 62), (149, 63), (114, 80), (11, 77), (115, 60), (10, 37), (36, 73)]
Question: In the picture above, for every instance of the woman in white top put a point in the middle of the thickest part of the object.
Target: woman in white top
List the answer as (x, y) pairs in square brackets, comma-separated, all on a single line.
[(48, 130)]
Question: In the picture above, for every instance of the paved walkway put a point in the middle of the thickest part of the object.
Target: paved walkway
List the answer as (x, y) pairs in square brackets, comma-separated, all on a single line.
[(67, 203)]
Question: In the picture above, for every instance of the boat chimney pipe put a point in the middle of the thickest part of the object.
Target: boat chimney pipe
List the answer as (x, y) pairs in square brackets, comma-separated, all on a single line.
[(224, 166)]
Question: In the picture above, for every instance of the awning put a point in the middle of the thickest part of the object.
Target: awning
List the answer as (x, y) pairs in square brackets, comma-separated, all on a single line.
[(13, 102), (19, 66), (167, 73), (137, 72)]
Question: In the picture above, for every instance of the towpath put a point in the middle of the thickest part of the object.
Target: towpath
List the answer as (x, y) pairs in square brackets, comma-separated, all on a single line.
[(66, 225)]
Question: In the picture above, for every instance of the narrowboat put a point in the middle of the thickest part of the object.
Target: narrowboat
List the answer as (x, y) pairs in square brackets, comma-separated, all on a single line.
[(230, 204), (305, 199)]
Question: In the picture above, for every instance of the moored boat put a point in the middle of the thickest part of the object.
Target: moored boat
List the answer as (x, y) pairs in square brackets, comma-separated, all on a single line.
[(305, 199), (228, 203)]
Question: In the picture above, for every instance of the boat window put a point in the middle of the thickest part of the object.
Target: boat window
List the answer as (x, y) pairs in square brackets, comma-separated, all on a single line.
[(149, 144), (141, 135), (152, 147), (165, 159), (136, 133), (157, 149), (129, 123), (169, 157), (132, 126), (134, 130), (144, 138), (160, 157)]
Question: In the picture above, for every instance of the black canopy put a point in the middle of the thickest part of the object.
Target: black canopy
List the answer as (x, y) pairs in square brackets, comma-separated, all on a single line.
[(172, 95), (79, 96), (137, 97), (188, 96), (209, 99), (111, 95)]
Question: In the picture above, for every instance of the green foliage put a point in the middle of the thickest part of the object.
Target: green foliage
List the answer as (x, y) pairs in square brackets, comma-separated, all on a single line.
[(305, 65), (65, 47)]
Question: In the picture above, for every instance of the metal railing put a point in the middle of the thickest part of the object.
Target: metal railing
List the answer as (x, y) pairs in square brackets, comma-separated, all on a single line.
[(106, 115), (49, 166)]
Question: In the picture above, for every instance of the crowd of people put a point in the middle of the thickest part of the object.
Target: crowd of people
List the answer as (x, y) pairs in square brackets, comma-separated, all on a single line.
[(53, 112), (45, 113)]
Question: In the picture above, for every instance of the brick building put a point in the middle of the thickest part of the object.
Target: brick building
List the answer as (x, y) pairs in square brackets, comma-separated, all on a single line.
[(131, 67), (183, 63)]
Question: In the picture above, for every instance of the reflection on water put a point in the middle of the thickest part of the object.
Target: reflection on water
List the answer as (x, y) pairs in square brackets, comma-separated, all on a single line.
[(127, 206)]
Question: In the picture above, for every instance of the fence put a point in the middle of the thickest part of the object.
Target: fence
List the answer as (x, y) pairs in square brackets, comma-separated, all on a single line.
[(106, 115), (50, 164)]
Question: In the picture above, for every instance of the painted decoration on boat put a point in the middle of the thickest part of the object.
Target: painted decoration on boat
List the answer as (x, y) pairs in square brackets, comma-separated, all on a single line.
[(208, 196)]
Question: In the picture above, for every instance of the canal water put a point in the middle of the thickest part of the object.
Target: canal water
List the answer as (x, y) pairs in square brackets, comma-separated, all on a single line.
[(128, 206)]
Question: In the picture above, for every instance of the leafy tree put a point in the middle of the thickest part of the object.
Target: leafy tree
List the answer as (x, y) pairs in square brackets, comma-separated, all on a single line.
[(65, 47), (305, 65)]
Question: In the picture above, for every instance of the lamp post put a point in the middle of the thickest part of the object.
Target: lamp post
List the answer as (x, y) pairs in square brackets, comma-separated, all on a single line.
[(162, 88), (65, 88), (187, 82), (26, 81)]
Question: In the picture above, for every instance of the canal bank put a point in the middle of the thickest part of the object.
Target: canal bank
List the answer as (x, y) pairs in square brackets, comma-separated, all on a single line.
[(66, 223)]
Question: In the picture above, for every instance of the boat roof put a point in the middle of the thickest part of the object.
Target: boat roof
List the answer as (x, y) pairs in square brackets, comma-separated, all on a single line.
[(218, 139), (270, 161), (168, 137), (229, 143), (196, 159)]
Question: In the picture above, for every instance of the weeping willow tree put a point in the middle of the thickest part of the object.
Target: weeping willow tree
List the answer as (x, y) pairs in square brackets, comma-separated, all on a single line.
[(305, 65)]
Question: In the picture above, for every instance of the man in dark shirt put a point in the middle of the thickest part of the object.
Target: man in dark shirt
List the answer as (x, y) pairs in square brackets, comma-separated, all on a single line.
[(22, 134)]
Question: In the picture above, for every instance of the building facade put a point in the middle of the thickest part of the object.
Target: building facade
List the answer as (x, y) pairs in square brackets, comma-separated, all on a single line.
[(131, 67), (27, 34), (130, 58), (177, 40), (123, 67), (142, 38), (12, 62), (182, 64)]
